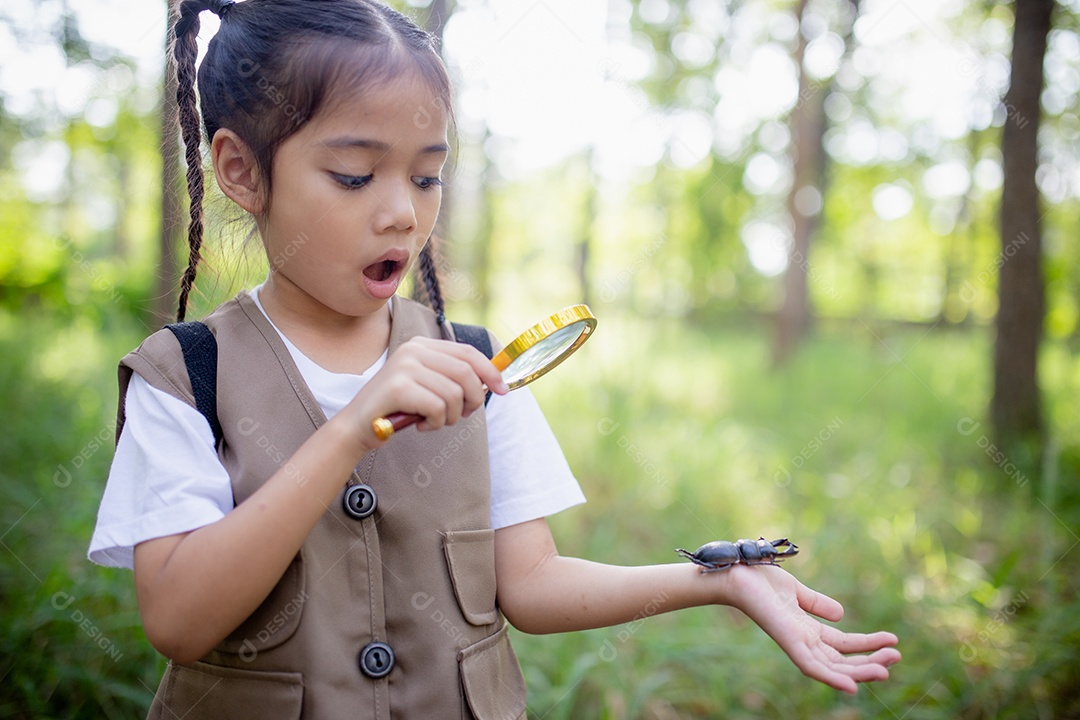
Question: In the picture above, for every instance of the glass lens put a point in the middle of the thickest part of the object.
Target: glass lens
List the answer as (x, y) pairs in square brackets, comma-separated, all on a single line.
[(542, 356)]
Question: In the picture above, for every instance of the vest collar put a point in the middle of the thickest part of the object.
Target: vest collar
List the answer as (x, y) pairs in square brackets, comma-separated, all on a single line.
[(407, 319)]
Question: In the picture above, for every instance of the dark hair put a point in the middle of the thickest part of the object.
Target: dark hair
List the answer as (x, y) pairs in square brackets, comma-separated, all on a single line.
[(272, 66)]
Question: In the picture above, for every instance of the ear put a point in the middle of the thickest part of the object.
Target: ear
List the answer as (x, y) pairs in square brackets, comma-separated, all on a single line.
[(236, 171)]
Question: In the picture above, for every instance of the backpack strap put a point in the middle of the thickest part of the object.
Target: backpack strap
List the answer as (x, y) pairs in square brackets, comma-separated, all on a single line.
[(200, 356), (477, 337)]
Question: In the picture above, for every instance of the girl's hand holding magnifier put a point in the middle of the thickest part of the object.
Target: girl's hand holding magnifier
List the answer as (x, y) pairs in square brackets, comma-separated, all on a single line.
[(439, 382), (529, 356)]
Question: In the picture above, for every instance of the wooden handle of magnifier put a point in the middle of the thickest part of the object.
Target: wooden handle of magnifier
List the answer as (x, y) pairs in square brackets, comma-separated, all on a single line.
[(384, 427)]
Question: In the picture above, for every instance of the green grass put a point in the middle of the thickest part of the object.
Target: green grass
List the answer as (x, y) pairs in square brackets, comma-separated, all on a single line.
[(853, 452), (679, 435), (71, 644)]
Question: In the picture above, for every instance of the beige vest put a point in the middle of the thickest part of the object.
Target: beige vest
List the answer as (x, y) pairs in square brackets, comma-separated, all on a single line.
[(417, 574)]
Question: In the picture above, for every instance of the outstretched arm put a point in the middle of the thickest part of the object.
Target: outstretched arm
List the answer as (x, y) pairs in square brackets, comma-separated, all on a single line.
[(542, 592)]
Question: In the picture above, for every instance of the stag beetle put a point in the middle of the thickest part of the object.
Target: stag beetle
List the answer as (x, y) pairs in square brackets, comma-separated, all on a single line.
[(721, 554)]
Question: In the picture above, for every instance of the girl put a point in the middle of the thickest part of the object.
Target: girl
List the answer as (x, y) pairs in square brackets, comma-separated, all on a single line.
[(289, 563)]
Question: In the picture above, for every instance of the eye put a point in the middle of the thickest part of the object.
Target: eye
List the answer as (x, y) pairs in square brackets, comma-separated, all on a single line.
[(352, 182), (427, 183)]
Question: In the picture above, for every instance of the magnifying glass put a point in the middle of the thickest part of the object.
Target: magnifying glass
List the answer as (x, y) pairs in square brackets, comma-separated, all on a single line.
[(530, 355)]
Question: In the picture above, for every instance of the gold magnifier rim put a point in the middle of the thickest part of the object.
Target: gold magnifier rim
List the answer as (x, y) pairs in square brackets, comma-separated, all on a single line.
[(539, 331)]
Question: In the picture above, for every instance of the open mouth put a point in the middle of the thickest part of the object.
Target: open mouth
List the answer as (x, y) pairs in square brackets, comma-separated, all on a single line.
[(381, 270)]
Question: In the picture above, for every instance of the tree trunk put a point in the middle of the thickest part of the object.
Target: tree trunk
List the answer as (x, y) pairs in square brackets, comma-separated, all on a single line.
[(485, 230), (1015, 408), (121, 240), (435, 23), (808, 126), (590, 208), (163, 307)]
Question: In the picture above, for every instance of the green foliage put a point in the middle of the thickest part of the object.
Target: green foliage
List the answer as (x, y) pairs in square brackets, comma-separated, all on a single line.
[(72, 644), (87, 243), (870, 453)]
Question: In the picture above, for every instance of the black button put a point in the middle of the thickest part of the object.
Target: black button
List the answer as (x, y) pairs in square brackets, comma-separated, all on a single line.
[(359, 501), (376, 660)]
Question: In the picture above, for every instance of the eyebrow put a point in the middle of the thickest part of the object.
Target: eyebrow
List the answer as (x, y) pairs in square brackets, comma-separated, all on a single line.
[(351, 142)]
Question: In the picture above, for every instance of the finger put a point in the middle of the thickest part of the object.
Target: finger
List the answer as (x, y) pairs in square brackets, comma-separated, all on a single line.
[(885, 657), (819, 604), (471, 389), (865, 673), (860, 668), (428, 403), (443, 403), (422, 355), (412, 387), (821, 669), (857, 642), (460, 363), (481, 366)]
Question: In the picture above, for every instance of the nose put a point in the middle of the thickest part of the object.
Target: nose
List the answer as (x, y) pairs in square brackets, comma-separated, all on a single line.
[(395, 210)]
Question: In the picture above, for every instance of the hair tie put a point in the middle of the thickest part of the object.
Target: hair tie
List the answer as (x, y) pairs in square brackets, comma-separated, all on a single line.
[(220, 7)]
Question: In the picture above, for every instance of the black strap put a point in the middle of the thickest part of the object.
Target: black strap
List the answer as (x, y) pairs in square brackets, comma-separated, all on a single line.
[(477, 337), (200, 356)]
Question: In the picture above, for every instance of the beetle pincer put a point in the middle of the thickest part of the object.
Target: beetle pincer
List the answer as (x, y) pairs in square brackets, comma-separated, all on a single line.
[(722, 554)]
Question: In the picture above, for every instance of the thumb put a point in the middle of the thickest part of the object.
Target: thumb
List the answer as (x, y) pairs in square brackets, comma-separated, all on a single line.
[(819, 604)]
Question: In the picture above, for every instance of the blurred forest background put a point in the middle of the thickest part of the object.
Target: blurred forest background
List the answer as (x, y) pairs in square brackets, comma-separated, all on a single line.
[(832, 245)]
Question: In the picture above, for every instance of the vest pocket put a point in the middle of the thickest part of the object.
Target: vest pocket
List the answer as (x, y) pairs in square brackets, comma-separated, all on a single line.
[(491, 676), (470, 555), (202, 690), (274, 621)]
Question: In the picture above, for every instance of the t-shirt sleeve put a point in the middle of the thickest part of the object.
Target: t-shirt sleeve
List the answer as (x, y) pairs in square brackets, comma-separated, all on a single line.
[(165, 477), (530, 477)]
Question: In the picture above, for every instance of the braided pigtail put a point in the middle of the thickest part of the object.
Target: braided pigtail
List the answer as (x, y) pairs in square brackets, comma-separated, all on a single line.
[(429, 273), (306, 51), (185, 50)]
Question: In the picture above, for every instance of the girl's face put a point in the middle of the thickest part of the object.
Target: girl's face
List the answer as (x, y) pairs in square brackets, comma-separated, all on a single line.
[(356, 192)]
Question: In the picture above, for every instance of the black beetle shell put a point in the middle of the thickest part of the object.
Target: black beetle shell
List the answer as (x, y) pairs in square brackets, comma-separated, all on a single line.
[(749, 549), (718, 552)]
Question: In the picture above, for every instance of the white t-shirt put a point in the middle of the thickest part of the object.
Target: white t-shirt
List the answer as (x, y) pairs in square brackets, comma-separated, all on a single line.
[(166, 477)]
